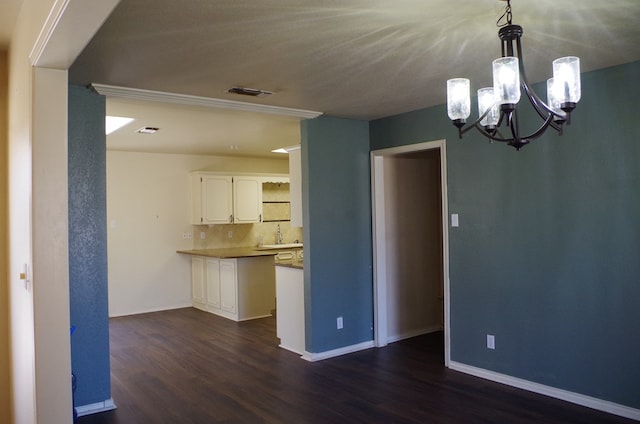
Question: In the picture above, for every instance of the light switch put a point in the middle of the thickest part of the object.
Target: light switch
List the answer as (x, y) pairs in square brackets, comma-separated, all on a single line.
[(454, 219), (491, 341)]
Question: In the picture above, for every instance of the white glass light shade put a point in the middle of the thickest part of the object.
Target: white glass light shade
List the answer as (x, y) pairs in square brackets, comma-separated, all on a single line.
[(486, 101), (566, 73), (458, 98), (553, 96), (506, 80)]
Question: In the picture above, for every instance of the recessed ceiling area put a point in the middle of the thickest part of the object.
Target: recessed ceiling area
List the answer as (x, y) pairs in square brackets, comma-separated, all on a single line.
[(200, 130)]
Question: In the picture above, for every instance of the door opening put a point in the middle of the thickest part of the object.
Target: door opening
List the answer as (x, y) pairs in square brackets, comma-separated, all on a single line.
[(411, 272)]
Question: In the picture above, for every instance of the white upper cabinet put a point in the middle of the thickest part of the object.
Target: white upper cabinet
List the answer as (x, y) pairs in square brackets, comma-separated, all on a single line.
[(216, 199), (211, 199), (222, 199), (247, 199)]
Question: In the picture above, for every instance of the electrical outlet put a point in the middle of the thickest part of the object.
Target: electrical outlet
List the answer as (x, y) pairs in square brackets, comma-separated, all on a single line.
[(203, 235), (491, 341), (339, 323), (230, 234)]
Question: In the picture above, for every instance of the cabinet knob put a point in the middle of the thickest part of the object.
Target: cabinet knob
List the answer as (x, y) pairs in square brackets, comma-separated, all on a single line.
[(231, 218)]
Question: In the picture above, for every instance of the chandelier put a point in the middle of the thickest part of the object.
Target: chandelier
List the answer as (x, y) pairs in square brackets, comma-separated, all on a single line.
[(497, 104)]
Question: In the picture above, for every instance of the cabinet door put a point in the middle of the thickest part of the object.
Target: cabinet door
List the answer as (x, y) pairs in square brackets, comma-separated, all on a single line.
[(247, 199), (217, 199), (228, 285), (212, 279), (197, 281)]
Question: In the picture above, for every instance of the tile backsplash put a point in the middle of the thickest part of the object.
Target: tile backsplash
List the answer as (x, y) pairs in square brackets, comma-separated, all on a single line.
[(243, 235)]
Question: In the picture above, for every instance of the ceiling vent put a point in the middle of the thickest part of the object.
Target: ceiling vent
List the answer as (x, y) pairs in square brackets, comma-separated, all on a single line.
[(253, 92), (148, 130)]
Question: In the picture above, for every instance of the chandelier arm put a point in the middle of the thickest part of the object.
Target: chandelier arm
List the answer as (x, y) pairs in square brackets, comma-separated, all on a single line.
[(543, 110), (547, 123), (493, 137), (475, 123), (514, 126)]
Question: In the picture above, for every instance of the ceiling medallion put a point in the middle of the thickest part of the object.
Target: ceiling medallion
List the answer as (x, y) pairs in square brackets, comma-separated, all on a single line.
[(497, 104)]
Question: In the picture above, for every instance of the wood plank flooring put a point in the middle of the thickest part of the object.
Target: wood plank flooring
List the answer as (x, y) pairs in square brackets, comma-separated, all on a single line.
[(188, 366)]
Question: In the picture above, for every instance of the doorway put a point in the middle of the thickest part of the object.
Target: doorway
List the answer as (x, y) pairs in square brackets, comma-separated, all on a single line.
[(410, 242)]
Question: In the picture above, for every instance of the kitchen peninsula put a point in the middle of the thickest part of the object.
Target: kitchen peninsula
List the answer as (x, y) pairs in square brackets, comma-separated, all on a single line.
[(242, 283), (237, 283)]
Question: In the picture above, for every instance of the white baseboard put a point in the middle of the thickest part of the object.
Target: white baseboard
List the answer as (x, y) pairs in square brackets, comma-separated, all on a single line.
[(94, 408), (290, 349), (256, 317), (413, 333), (579, 399), (314, 357), (148, 310)]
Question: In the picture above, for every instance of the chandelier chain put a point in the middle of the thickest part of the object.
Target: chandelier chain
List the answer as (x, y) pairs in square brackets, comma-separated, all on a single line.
[(505, 18)]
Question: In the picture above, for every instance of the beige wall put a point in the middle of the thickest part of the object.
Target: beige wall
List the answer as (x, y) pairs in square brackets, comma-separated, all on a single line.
[(37, 206), (147, 214), (5, 366)]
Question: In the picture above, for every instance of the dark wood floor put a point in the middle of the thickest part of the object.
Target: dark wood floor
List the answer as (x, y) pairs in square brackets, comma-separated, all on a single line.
[(187, 366)]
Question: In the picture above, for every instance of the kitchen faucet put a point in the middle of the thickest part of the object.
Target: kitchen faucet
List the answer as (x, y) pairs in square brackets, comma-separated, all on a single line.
[(278, 235)]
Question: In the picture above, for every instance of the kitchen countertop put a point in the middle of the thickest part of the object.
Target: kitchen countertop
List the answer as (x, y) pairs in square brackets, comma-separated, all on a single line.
[(290, 263), (231, 252)]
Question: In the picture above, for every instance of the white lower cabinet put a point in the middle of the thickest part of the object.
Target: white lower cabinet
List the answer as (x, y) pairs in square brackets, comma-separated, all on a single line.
[(239, 289), (228, 286), (290, 317), (212, 282), (197, 282)]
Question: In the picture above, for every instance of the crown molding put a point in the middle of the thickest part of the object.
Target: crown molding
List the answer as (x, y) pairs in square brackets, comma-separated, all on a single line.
[(185, 99)]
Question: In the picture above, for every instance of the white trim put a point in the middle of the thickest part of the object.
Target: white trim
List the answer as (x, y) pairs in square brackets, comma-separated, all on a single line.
[(379, 246), (47, 31), (379, 251), (67, 30), (414, 333), (290, 349), (314, 357), (578, 399), (94, 408), (184, 99)]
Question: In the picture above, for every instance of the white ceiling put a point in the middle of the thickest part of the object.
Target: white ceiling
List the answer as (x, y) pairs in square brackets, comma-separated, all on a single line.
[(200, 130), (350, 58)]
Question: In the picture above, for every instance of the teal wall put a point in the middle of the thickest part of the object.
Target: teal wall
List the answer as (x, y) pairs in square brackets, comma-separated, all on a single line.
[(88, 246), (337, 232), (547, 255), (545, 258)]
